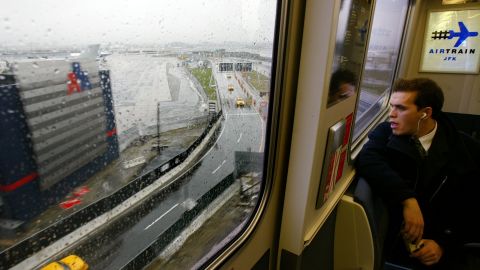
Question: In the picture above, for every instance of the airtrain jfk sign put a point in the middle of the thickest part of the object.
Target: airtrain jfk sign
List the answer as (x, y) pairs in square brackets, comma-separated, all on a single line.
[(452, 42)]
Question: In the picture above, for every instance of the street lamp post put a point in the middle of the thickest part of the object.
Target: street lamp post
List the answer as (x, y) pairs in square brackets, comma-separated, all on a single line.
[(158, 127)]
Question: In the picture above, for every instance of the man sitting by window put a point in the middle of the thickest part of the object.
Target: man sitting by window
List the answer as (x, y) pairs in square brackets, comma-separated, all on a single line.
[(428, 175)]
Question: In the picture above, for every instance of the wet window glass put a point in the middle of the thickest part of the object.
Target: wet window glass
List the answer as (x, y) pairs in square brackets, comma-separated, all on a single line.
[(130, 130), (383, 49), (350, 44)]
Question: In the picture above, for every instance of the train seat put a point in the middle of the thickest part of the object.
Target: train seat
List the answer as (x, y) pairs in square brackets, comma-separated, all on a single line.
[(467, 123), (377, 215)]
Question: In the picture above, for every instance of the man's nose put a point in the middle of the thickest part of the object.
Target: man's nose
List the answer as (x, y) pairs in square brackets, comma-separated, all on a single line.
[(392, 113)]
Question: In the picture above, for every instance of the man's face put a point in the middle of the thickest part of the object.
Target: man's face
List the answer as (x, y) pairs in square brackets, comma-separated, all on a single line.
[(404, 115), (344, 90)]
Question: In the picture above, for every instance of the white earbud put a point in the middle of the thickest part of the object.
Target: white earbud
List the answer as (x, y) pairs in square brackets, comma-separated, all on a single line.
[(424, 115)]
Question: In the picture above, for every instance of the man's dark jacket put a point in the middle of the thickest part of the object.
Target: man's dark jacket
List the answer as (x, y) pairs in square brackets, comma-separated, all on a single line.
[(446, 184)]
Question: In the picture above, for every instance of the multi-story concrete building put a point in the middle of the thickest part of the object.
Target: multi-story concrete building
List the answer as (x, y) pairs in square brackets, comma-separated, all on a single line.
[(57, 129)]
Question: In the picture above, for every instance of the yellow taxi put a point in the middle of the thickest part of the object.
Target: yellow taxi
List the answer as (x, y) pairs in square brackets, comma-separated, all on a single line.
[(240, 102), (71, 262)]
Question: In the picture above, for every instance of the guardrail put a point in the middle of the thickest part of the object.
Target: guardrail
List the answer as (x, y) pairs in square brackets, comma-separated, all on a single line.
[(43, 238), (366, 116), (219, 97)]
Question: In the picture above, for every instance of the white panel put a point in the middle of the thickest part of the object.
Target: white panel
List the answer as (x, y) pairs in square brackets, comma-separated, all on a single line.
[(353, 246), (304, 167)]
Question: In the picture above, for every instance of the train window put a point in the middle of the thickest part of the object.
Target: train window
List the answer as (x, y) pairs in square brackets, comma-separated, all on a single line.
[(131, 132), (351, 40), (382, 57)]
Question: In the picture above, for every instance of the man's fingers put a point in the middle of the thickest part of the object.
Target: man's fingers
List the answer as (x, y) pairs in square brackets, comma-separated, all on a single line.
[(429, 253), (418, 235), (429, 260), (413, 235)]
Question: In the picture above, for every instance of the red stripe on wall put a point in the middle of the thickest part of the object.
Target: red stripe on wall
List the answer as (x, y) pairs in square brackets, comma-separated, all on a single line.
[(19, 183), (112, 132)]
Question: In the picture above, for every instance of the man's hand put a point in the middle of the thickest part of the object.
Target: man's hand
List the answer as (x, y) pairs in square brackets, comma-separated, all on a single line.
[(413, 220), (430, 253)]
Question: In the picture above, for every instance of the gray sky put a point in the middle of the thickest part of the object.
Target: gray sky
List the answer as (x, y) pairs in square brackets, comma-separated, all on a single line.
[(53, 23)]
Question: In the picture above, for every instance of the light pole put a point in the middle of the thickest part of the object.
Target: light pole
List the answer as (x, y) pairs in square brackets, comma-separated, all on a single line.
[(158, 128)]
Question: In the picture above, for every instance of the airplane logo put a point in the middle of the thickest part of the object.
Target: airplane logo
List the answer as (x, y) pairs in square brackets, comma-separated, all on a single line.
[(450, 34)]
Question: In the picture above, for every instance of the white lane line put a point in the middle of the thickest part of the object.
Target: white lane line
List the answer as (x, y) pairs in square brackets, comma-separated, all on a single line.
[(218, 168), (240, 137), (168, 211)]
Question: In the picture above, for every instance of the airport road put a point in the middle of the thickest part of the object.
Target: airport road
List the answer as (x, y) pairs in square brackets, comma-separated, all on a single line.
[(241, 131)]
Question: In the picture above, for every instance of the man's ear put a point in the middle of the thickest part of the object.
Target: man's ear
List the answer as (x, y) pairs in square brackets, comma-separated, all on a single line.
[(426, 113)]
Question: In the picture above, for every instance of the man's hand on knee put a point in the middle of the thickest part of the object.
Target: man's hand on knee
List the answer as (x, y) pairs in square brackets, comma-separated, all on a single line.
[(430, 253)]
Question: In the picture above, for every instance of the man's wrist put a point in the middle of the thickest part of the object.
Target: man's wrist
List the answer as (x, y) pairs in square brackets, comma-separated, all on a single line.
[(409, 201)]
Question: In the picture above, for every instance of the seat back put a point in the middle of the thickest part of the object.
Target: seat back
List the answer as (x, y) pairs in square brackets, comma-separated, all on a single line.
[(377, 215)]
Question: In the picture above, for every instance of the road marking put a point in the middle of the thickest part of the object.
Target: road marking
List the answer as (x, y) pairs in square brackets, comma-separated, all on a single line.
[(239, 137), (168, 211), (218, 168)]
